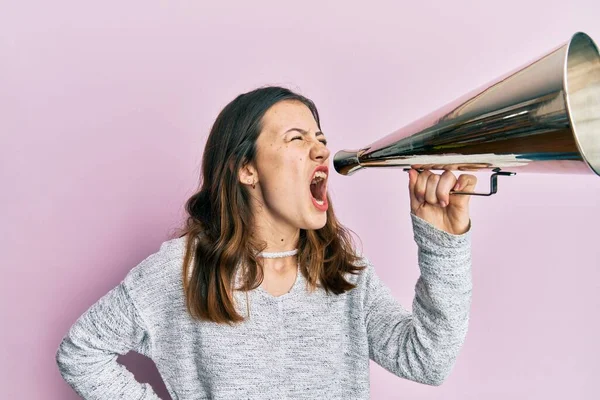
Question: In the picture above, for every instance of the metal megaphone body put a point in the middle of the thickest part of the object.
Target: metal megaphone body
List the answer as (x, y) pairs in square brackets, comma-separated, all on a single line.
[(543, 117)]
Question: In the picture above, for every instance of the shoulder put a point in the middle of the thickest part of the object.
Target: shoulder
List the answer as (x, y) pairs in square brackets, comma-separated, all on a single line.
[(158, 275), (362, 277)]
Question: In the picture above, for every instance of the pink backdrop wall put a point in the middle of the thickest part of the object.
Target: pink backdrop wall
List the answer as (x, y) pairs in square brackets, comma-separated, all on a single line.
[(105, 107)]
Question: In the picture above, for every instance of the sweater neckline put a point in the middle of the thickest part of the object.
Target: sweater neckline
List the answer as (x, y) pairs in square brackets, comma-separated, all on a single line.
[(294, 290)]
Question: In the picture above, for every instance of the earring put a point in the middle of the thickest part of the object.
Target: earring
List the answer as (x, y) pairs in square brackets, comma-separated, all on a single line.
[(252, 183)]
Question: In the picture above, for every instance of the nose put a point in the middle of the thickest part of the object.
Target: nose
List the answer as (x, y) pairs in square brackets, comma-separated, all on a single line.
[(319, 151)]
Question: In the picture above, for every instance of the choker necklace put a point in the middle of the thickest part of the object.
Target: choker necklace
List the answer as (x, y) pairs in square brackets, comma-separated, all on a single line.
[(279, 254)]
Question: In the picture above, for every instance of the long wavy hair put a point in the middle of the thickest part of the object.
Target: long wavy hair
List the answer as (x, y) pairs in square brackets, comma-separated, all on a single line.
[(219, 219)]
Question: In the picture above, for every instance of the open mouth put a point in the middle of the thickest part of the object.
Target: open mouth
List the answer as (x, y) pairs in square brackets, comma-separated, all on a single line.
[(318, 187)]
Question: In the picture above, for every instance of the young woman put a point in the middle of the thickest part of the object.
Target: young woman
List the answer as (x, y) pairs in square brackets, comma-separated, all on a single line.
[(263, 295)]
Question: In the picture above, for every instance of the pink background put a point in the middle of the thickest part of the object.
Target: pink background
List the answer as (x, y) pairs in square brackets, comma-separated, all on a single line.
[(105, 108)]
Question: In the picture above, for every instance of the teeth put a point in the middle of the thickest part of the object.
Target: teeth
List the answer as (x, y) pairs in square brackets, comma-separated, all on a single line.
[(319, 175), (320, 202)]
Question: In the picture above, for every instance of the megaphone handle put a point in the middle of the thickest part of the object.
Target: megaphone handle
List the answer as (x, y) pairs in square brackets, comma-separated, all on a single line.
[(493, 183)]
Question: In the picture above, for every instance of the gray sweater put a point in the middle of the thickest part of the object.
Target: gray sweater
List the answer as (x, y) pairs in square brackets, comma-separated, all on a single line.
[(300, 345)]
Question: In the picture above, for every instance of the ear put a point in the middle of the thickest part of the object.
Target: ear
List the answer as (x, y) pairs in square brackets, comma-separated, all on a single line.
[(248, 174)]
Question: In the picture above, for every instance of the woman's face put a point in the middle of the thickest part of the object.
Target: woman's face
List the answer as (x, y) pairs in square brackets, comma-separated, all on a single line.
[(290, 149)]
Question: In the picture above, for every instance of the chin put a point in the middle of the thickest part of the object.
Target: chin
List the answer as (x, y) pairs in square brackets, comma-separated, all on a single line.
[(316, 223)]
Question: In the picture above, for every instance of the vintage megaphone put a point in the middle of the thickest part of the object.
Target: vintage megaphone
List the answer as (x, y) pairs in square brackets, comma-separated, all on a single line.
[(543, 117)]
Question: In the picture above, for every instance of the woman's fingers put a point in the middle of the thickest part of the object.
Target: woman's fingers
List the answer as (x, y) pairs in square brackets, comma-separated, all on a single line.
[(413, 176), (421, 185), (444, 186), (465, 183), (431, 189), (427, 186)]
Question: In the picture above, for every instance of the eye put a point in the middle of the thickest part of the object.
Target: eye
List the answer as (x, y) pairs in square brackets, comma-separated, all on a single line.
[(324, 141)]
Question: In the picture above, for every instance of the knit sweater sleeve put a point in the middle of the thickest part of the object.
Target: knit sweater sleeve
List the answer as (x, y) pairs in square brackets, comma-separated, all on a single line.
[(422, 346), (87, 355)]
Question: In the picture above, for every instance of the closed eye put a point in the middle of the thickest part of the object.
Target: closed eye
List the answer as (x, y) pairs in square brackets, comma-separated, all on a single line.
[(324, 141)]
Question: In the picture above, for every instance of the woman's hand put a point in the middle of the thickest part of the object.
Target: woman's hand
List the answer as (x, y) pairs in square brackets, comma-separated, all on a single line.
[(430, 199)]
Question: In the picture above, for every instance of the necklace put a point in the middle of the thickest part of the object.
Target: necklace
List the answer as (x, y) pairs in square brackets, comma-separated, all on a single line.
[(278, 254)]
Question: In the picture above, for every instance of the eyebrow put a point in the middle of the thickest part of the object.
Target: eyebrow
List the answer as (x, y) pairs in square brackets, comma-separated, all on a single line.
[(304, 132)]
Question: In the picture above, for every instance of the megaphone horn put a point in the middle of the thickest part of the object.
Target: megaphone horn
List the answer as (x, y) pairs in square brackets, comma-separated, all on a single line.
[(543, 117)]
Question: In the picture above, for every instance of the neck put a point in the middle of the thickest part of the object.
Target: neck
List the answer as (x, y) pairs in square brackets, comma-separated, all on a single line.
[(278, 238), (279, 265)]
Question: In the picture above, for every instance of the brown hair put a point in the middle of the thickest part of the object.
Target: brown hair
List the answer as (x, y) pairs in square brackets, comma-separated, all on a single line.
[(220, 220)]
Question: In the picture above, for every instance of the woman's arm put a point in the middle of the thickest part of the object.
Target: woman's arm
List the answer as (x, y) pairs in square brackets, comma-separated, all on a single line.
[(423, 346), (87, 355)]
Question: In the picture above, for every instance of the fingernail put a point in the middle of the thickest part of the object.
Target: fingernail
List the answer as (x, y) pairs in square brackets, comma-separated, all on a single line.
[(443, 203), (457, 186)]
